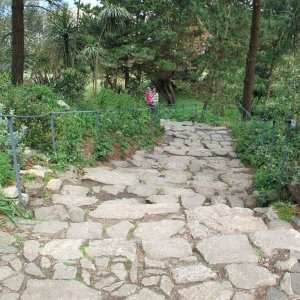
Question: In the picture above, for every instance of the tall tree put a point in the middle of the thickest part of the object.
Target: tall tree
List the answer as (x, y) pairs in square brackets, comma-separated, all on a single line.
[(17, 69), (251, 60)]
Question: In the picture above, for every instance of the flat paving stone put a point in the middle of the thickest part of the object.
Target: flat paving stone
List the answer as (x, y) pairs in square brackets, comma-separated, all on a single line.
[(85, 230), (167, 248), (112, 177), (55, 212), (58, 289), (158, 230), (50, 227), (192, 273), (142, 190), (233, 248), (5, 272), (192, 201), (119, 230), (119, 210), (112, 247), (63, 249), (31, 250), (146, 294), (271, 240), (250, 276), (162, 198), (14, 283), (75, 200), (208, 221), (208, 291)]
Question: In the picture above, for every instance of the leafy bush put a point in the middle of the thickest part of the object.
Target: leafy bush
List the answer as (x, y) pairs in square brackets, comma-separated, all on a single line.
[(284, 210), (6, 172), (11, 209), (70, 83)]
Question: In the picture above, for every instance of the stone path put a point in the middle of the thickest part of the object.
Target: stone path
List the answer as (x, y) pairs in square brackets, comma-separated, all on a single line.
[(172, 223)]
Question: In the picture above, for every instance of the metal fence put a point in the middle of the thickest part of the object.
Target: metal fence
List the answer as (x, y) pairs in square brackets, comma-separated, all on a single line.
[(154, 116), (258, 133)]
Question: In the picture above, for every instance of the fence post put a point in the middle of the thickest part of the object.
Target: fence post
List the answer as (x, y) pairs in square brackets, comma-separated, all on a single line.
[(52, 132), (15, 158)]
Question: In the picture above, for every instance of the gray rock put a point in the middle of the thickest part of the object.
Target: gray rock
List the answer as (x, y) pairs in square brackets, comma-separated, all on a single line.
[(113, 189), (9, 296), (119, 210), (275, 294), (114, 286), (151, 280), (234, 248), (208, 291), (102, 262), (218, 200), (5, 272), (87, 264), (119, 270), (159, 230), (73, 200), (31, 250), (10, 192), (107, 176), (295, 282), (150, 263), (112, 247), (146, 294), (58, 289), (14, 283), (75, 190), (134, 272), (177, 177), (99, 285), (270, 240), (54, 184), (85, 230), (166, 285), (167, 248), (8, 257), (250, 276), (193, 200), (63, 249), (64, 271), (162, 198), (77, 214), (45, 263), (279, 224), (34, 270), (6, 238), (34, 189), (243, 296), (192, 273), (119, 230), (208, 221), (55, 212), (125, 290), (271, 214), (50, 227), (142, 190), (295, 191), (16, 264), (235, 201), (286, 284)]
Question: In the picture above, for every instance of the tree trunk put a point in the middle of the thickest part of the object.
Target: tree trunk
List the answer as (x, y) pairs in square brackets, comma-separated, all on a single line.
[(17, 69), (164, 86), (126, 77), (251, 60)]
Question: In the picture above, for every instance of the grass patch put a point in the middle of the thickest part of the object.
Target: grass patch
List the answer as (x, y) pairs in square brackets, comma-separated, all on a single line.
[(20, 239), (284, 210), (82, 249), (11, 209)]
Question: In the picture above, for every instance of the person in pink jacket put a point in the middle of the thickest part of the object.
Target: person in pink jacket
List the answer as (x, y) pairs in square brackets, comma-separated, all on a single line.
[(148, 96)]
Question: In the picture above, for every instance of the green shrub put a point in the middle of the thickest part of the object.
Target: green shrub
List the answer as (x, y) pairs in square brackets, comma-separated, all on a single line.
[(70, 83), (11, 209), (284, 210), (6, 171)]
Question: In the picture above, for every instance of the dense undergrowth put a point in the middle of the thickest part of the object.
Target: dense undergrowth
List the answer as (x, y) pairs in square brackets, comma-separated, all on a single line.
[(123, 124)]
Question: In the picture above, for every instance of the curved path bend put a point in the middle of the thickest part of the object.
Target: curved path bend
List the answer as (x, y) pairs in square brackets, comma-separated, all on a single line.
[(174, 222)]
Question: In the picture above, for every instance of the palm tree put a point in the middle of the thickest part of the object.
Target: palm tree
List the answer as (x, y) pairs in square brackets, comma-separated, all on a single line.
[(63, 34)]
